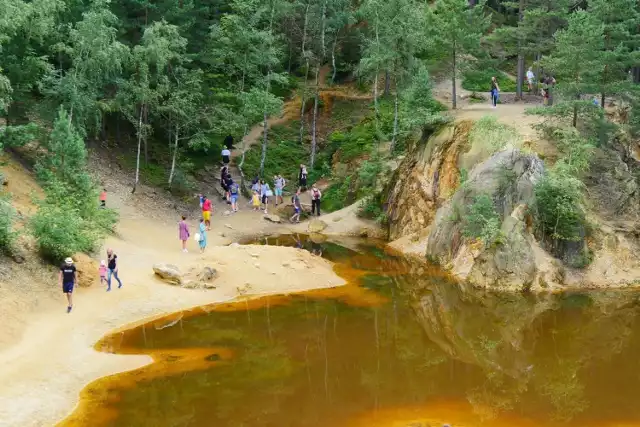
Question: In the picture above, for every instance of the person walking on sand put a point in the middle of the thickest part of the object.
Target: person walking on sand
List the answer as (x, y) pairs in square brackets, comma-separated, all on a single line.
[(255, 200), (206, 211), (530, 79), (265, 193), (112, 269), (495, 92), (102, 270), (68, 278), (302, 177), (316, 195), (234, 190), (103, 198), (183, 233), (202, 239), (278, 184), (297, 207)]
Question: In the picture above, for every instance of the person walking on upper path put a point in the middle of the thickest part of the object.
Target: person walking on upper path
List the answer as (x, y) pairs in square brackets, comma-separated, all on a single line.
[(226, 156), (495, 92), (297, 207), (202, 238), (183, 233), (68, 278), (530, 79), (112, 269), (302, 177), (228, 142), (316, 195), (206, 211), (265, 193), (278, 184)]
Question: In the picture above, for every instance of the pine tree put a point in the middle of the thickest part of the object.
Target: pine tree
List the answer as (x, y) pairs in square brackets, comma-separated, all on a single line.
[(621, 40), (578, 61), (455, 31)]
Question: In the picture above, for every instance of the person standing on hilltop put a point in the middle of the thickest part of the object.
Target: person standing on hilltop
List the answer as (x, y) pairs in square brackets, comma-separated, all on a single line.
[(495, 92), (68, 277), (302, 177), (183, 233), (112, 269), (530, 78), (206, 211)]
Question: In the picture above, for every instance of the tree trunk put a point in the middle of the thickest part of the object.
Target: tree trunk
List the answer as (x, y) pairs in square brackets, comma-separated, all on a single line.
[(520, 77), (575, 116), (538, 71), (244, 147), (387, 83), (315, 120), (375, 99), (395, 123), (135, 184), (602, 98), (333, 60), (306, 72), (264, 144), (453, 81), (146, 147), (175, 154)]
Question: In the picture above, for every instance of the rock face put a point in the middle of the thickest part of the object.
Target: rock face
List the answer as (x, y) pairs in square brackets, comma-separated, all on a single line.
[(508, 178), (425, 180), (87, 270), (316, 226)]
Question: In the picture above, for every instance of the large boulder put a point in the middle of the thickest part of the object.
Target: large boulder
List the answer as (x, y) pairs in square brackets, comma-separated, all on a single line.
[(316, 226), (508, 178), (168, 273)]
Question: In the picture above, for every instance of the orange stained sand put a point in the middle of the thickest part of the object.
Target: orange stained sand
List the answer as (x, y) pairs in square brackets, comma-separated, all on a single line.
[(166, 362)]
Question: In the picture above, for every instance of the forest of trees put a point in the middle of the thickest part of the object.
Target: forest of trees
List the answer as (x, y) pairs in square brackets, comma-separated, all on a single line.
[(185, 73)]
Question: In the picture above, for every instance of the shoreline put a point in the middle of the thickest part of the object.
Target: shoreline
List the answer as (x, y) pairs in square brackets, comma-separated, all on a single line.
[(42, 375)]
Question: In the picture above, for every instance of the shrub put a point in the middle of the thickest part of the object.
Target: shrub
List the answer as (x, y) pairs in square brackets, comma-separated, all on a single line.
[(559, 214), (61, 232), (336, 196), (7, 235), (480, 80), (371, 208), (481, 221)]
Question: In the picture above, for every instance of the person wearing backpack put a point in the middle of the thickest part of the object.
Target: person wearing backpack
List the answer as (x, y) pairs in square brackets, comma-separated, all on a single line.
[(316, 195), (234, 189)]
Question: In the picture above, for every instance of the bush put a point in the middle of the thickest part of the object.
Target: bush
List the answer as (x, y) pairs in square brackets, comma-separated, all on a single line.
[(61, 232), (7, 235), (559, 214), (372, 209), (480, 80), (481, 221)]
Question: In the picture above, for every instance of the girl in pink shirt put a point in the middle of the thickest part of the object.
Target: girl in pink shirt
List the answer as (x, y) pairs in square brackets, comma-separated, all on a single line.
[(103, 272)]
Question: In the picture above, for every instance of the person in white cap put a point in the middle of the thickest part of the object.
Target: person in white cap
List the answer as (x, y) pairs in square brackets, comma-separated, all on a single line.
[(68, 278)]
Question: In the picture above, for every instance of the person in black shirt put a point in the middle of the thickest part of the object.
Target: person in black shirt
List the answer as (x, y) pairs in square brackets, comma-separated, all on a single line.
[(68, 280), (112, 269)]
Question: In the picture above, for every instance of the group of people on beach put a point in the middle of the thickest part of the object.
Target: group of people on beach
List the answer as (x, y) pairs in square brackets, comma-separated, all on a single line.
[(68, 276)]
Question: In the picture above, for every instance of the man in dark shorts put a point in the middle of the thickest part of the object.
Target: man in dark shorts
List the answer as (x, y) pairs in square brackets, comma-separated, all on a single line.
[(68, 278), (112, 269)]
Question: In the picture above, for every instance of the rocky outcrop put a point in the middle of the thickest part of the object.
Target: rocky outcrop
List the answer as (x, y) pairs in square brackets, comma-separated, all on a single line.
[(195, 278), (168, 273), (508, 178), (427, 177), (316, 226), (87, 270)]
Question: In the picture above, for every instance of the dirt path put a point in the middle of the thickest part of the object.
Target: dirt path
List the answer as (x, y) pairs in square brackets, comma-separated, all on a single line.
[(42, 374)]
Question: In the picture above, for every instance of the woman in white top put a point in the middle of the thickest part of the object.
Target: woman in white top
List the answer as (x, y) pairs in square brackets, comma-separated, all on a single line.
[(226, 156), (530, 78)]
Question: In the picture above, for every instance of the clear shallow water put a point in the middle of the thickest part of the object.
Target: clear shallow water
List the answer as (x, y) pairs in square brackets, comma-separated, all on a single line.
[(399, 346)]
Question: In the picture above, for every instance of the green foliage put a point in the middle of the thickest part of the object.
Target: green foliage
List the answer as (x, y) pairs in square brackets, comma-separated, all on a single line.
[(7, 233), (371, 208), (492, 135), (481, 221), (558, 206), (480, 80), (69, 219), (336, 196)]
